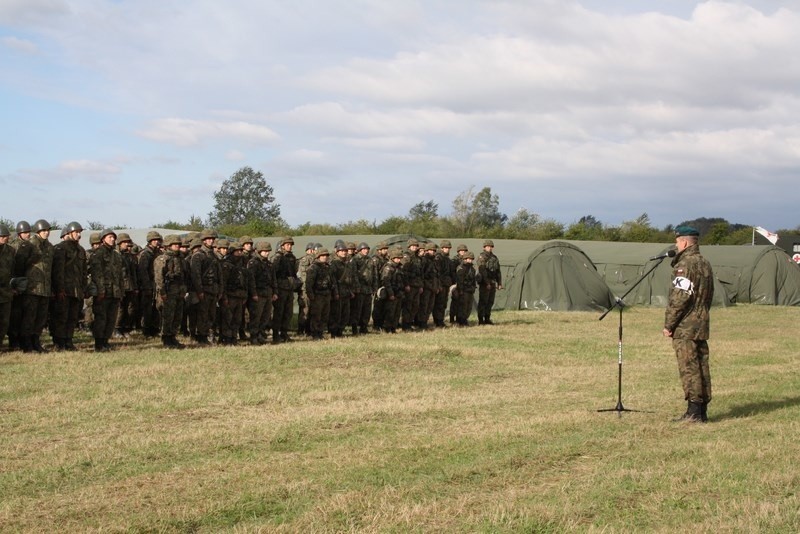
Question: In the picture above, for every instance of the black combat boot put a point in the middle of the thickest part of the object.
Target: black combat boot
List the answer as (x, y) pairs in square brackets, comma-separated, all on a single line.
[(704, 412), (37, 344), (69, 344), (693, 413), (100, 346), (26, 343), (59, 343)]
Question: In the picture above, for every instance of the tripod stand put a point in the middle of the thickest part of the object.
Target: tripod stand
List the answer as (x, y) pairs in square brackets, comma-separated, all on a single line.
[(620, 304)]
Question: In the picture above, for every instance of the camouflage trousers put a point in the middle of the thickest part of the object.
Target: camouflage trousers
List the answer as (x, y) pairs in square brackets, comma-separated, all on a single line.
[(171, 311), (105, 317), (411, 306), (486, 300), (693, 369), (464, 306), (318, 313), (440, 305), (231, 319), (378, 312), (64, 316)]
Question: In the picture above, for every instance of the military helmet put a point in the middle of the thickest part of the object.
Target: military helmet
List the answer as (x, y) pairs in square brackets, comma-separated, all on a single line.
[(362, 246), (23, 227), (222, 243), (431, 246), (322, 252), (74, 226), (351, 245), (445, 244), (234, 246), (186, 241), (63, 232), (339, 246), (107, 231), (41, 225), (245, 239), (152, 235), (413, 242), (208, 234), (94, 238), (311, 246), (488, 243), (264, 245), (462, 247), (285, 240), (396, 253), (382, 245), (317, 246), (4, 231), (123, 237), (196, 242), (469, 255), (172, 239)]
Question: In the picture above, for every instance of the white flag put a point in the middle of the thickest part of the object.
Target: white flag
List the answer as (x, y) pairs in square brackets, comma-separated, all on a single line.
[(772, 238)]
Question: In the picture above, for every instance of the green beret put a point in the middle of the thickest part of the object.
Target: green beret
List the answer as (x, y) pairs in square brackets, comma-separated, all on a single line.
[(686, 231)]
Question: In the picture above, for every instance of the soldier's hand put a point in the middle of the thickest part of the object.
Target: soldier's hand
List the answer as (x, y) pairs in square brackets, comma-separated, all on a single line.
[(274, 298), (421, 291), (499, 286), (667, 333), (200, 295), (392, 297), (255, 298)]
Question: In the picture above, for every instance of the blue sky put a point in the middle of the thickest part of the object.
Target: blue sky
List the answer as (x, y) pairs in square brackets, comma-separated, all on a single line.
[(134, 112)]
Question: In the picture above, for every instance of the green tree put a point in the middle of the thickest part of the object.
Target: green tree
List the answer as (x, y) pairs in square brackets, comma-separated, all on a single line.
[(246, 198), (476, 213)]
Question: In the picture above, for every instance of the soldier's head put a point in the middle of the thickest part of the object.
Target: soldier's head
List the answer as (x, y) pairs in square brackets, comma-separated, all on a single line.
[(208, 236), (383, 248), (172, 242), (74, 230), (246, 242), (310, 248), (42, 228), (340, 248), (94, 239), (461, 250), (286, 243), (430, 249), (264, 248), (154, 239), (351, 248), (488, 245), (24, 230), (363, 249), (108, 237), (222, 246), (445, 246), (685, 236), (322, 255), (468, 257), (396, 256), (5, 234), (413, 245), (124, 241)]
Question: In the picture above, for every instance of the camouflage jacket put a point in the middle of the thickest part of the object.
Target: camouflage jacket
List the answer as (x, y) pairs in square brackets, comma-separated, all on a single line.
[(391, 279), (687, 314), (377, 261), (237, 277), (169, 274), (145, 270), (446, 269), (412, 269), (40, 272), (302, 266), (69, 269), (285, 264), (7, 254), (105, 270), (319, 280), (130, 271), (263, 275), (489, 268), (206, 273), (465, 278)]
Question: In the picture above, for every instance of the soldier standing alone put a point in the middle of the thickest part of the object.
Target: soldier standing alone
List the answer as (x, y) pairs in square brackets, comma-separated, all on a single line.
[(686, 321)]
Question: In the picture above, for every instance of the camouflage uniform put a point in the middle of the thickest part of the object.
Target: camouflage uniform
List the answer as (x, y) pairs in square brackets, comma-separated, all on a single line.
[(455, 262), (129, 305), (412, 274), (169, 277), (687, 320), (36, 301), (378, 304), (7, 254), (237, 288), (391, 291), (285, 264), (465, 289), (151, 322), (361, 308), (25, 256), (489, 280), (260, 304), (105, 270), (70, 270), (446, 272), (302, 304), (430, 285), (320, 289), (344, 277), (206, 281)]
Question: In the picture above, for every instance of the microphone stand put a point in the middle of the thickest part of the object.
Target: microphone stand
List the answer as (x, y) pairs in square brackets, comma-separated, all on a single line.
[(620, 304)]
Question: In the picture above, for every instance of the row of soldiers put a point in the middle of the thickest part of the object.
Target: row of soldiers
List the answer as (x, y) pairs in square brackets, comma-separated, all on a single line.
[(206, 287)]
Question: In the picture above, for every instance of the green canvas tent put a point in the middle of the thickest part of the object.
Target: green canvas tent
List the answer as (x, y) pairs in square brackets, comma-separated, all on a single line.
[(558, 276)]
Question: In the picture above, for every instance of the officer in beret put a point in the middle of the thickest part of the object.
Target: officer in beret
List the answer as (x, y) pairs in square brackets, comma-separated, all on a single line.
[(686, 321)]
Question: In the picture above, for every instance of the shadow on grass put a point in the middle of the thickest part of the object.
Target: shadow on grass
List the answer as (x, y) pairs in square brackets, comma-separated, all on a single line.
[(755, 408)]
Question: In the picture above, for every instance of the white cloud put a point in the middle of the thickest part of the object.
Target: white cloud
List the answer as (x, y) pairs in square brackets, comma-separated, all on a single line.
[(235, 155), (20, 45), (19, 12), (188, 132)]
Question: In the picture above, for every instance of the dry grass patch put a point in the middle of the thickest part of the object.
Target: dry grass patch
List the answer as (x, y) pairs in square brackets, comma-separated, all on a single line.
[(489, 429)]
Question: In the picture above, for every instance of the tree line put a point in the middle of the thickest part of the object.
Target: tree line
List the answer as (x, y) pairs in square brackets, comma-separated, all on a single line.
[(245, 205)]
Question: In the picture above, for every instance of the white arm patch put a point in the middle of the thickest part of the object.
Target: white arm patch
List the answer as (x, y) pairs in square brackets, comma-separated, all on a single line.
[(684, 284)]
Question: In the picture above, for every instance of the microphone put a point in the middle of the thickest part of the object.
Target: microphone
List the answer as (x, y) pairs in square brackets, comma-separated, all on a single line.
[(668, 254)]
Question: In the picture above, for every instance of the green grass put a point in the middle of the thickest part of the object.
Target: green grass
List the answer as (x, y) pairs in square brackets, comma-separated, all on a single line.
[(488, 429)]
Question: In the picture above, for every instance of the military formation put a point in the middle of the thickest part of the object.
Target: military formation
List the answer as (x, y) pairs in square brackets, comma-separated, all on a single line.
[(203, 289)]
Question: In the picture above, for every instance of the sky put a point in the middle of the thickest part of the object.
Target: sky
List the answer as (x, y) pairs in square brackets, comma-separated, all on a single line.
[(133, 113)]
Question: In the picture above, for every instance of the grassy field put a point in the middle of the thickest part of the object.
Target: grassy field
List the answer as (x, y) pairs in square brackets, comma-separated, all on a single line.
[(486, 429)]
